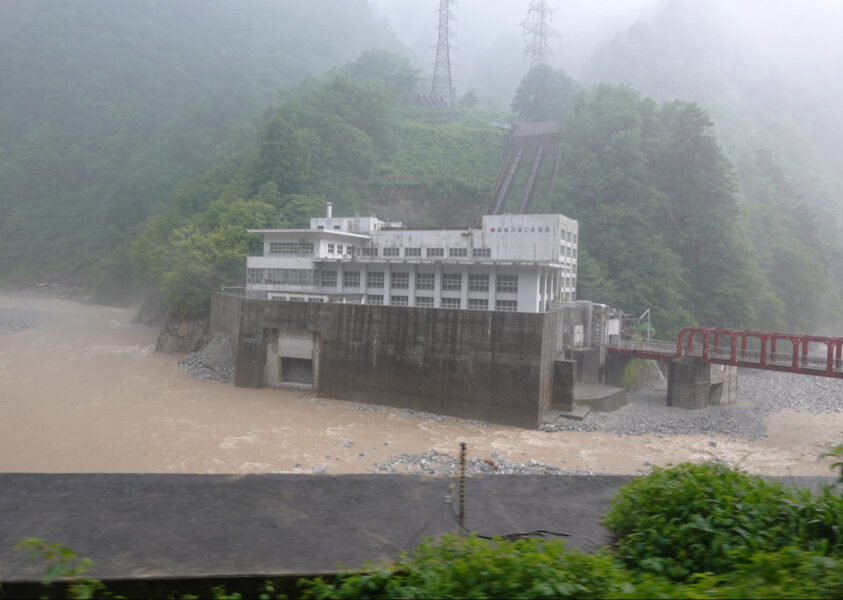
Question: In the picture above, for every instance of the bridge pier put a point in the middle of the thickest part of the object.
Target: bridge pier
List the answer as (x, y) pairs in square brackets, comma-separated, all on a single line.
[(694, 385), (631, 373)]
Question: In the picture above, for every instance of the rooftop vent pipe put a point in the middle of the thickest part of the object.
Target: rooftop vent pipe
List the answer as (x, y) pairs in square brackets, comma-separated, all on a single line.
[(330, 207)]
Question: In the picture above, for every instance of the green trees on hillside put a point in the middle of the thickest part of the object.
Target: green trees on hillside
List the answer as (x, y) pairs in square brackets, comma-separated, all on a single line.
[(788, 237), (545, 94), (706, 225), (108, 106), (130, 150), (658, 211), (661, 225), (778, 127), (283, 157), (337, 138)]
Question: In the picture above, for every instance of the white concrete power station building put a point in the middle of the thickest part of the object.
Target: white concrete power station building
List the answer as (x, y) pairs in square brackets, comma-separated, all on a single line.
[(511, 263)]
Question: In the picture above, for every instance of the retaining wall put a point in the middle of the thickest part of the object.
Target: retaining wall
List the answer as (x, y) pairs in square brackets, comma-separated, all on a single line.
[(485, 365)]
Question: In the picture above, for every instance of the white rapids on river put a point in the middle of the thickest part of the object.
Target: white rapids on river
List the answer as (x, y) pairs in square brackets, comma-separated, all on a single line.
[(82, 391)]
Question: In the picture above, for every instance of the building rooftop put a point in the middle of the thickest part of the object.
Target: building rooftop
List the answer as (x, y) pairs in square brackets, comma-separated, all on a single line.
[(336, 232)]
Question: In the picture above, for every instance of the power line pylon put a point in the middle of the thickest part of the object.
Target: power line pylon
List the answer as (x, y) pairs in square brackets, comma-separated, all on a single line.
[(537, 31), (443, 84)]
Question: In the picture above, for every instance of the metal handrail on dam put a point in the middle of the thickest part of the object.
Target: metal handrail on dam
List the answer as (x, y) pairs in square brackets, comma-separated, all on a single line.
[(805, 354)]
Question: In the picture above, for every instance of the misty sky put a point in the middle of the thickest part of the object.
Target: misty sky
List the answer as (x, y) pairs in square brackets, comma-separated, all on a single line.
[(792, 32), (480, 23)]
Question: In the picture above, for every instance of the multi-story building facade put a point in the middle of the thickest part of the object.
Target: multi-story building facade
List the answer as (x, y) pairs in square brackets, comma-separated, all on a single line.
[(511, 263)]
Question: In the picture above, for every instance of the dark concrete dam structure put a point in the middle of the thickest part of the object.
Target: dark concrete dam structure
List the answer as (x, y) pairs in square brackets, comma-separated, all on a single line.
[(486, 365)]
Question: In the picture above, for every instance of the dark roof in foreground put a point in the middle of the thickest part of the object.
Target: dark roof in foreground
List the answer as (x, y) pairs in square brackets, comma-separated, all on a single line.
[(158, 525), (161, 525)]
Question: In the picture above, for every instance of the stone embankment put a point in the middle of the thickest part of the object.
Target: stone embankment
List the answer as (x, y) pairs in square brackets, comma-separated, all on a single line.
[(182, 335), (214, 362)]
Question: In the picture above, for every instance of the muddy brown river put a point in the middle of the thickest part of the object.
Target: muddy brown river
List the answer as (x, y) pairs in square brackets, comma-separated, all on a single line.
[(83, 391)]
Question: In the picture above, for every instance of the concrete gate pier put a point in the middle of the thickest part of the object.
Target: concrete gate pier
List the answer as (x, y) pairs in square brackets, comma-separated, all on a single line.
[(694, 385)]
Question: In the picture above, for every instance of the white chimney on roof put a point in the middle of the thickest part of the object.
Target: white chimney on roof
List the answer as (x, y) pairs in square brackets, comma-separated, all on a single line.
[(330, 206)]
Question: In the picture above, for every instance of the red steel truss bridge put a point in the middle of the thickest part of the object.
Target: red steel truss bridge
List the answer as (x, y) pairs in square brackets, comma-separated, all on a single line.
[(805, 354)]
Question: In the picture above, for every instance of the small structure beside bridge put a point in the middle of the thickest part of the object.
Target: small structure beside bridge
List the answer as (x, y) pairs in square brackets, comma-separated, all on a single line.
[(703, 362)]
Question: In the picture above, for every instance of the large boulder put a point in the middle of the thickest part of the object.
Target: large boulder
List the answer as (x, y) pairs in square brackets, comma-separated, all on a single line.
[(182, 336)]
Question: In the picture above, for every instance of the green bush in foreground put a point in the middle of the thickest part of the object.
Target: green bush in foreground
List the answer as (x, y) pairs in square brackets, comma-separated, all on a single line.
[(708, 518), (836, 453), (787, 573), (469, 567)]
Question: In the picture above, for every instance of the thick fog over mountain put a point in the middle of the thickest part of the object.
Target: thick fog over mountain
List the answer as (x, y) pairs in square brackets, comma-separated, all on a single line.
[(796, 39), (138, 141), (785, 56), (487, 34), (767, 73)]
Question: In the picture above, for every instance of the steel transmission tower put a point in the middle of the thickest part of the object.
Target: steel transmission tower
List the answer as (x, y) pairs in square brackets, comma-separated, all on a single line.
[(537, 31), (443, 84)]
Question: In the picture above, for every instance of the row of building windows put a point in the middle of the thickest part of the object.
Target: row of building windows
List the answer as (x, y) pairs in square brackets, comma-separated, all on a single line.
[(339, 249), (308, 277), (307, 249), (477, 282), (420, 301), (427, 302), (427, 281), (391, 252), (291, 248), (394, 300), (297, 299)]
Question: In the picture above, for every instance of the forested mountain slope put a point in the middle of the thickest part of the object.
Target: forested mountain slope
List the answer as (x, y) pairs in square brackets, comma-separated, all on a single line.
[(139, 141), (346, 137), (106, 106), (660, 220), (778, 117)]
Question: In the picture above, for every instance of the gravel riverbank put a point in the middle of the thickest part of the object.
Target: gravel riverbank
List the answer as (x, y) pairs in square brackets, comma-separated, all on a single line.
[(760, 394)]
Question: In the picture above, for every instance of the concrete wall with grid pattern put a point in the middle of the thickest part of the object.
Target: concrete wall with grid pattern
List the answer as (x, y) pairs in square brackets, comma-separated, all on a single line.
[(484, 365)]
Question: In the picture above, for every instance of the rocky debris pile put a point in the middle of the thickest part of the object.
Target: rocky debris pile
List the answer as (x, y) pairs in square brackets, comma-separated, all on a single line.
[(647, 413), (771, 392), (214, 362), (18, 319), (434, 463), (760, 394), (182, 335)]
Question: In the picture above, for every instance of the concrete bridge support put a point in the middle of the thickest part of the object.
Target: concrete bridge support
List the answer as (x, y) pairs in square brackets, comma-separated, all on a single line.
[(695, 385), (564, 384), (631, 373)]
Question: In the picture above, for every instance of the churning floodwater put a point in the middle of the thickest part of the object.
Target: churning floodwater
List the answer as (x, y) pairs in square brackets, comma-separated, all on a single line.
[(82, 390)]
